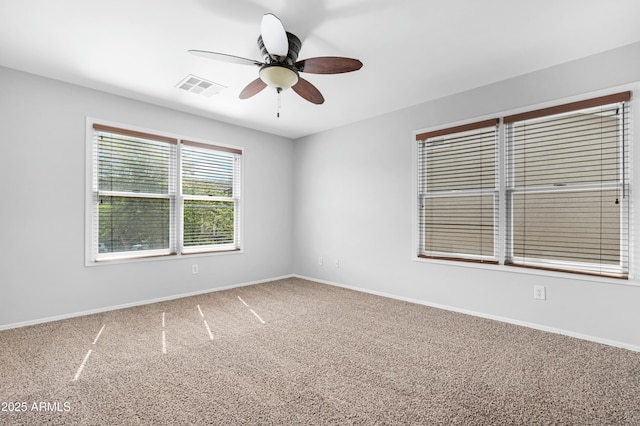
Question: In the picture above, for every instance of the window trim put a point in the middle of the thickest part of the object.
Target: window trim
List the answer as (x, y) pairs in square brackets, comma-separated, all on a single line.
[(628, 93), (182, 197), (551, 116), (460, 131), (92, 123)]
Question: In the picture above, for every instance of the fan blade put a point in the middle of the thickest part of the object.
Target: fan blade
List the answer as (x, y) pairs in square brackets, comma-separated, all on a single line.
[(252, 88), (225, 58), (274, 36), (308, 91), (328, 65)]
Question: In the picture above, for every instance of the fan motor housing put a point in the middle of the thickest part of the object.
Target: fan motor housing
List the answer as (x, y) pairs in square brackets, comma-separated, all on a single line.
[(292, 56)]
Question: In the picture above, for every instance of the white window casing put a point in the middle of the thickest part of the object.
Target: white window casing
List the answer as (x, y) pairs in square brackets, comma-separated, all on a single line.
[(154, 195), (558, 198)]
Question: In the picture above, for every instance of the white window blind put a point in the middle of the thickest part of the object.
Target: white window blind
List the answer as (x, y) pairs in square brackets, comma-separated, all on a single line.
[(155, 195), (211, 196), (568, 187), (458, 192), (134, 194)]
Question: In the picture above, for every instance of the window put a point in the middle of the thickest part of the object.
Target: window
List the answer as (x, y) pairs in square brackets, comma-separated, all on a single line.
[(562, 182), (567, 191), (210, 192), (155, 195), (458, 192)]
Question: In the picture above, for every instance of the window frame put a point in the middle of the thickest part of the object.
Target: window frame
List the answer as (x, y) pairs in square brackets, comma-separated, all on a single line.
[(634, 118), (472, 129), (235, 198), (176, 245), (559, 113)]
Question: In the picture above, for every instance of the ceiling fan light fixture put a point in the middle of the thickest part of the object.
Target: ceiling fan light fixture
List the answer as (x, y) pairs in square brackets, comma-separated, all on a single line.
[(278, 76), (280, 69)]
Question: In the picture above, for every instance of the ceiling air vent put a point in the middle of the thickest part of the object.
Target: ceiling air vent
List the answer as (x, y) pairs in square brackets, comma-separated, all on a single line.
[(200, 86)]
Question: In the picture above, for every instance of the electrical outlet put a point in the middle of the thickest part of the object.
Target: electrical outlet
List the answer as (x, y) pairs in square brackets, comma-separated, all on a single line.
[(194, 269), (539, 292), (320, 260), (337, 263)]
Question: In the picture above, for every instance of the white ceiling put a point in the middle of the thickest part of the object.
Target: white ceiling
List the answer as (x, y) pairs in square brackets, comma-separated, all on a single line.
[(412, 50)]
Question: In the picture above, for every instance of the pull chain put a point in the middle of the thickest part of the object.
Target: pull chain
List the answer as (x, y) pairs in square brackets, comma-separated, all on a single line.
[(279, 90)]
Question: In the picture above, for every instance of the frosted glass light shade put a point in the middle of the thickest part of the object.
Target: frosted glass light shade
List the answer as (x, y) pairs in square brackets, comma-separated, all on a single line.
[(278, 76)]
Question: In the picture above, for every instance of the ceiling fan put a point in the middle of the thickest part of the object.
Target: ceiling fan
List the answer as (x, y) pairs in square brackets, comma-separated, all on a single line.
[(280, 68)]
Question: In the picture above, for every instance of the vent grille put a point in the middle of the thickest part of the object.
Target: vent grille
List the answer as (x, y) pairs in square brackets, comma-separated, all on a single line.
[(200, 86)]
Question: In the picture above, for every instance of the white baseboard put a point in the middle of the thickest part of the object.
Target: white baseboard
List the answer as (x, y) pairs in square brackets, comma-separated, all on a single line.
[(139, 303), (535, 326)]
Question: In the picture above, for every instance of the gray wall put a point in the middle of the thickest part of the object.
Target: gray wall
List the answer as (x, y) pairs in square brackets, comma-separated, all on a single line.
[(354, 198), (42, 170), (348, 193)]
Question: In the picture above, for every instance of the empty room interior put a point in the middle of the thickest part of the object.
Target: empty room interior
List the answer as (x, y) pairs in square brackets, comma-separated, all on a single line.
[(322, 212)]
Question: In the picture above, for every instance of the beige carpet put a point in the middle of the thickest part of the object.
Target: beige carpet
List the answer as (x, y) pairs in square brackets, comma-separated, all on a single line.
[(297, 352)]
